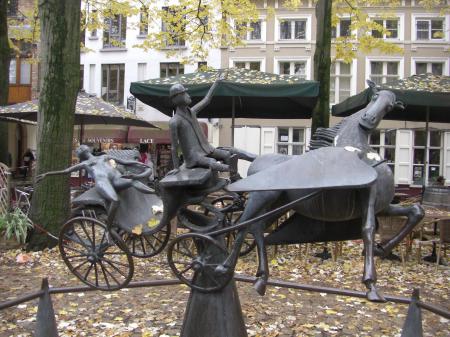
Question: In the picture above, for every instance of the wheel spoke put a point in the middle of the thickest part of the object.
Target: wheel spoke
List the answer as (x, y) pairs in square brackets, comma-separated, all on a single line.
[(88, 271), (148, 241), (186, 269), (82, 225), (104, 274), (73, 249), (80, 265), (161, 241), (117, 269), (93, 233), (80, 240), (110, 274), (96, 274), (115, 262), (142, 244)]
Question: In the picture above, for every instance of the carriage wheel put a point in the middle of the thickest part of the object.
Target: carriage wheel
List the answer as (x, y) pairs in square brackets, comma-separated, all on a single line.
[(233, 211), (193, 258), (96, 256), (147, 245)]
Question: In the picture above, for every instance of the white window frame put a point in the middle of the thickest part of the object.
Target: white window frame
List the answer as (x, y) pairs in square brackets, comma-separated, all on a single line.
[(293, 59), (280, 18), (262, 61), (401, 66), (383, 146), (353, 78), (427, 155), (429, 60), (338, 27), (428, 16), (401, 25), (290, 143), (262, 20)]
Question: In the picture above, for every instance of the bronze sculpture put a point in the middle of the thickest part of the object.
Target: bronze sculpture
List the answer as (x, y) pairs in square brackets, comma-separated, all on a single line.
[(108, 180), (186, 133), (333, 191)]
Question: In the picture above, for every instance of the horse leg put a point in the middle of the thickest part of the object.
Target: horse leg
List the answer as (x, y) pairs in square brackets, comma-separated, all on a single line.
[(262, 274), (368, 234), (414, 214), (256, 203)]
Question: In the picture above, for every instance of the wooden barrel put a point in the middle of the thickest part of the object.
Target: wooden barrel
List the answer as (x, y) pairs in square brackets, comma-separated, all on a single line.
[(437, 196)]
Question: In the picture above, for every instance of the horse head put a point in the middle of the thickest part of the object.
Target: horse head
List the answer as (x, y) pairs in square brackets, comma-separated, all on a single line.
[(383, 101)]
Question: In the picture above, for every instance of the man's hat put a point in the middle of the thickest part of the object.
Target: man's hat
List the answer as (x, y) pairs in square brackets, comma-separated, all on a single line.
[(176, 89)]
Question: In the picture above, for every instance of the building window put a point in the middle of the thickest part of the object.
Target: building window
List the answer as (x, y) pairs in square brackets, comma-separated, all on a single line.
[(115, 32), (113, 76), (249, 31), (390, 25), (340, 81), (252, 65), (174, 36), (384, 71), (93, 20), (429, 29), (142, 71), (171, 69), (297, 68), (81, 77), (436, 68), (342, 29), (19, 72), (13, 8), (202, 66), (290, 141), (433, 155), (383, 141), (293, 29), (143, 21)]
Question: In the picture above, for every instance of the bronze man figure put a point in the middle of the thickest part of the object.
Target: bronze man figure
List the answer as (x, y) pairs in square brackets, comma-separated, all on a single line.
[(186, 132)]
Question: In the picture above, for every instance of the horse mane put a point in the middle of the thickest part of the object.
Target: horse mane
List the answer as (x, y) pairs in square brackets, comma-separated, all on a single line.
[(324, 137)]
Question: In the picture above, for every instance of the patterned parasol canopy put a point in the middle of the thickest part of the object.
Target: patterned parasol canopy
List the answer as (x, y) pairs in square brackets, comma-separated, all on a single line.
[(418, 93), (257, 94), (89, 110)]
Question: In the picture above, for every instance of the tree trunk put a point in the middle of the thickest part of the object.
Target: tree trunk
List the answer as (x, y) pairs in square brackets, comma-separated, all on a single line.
[(322, 63), (60, 71), (5, 56)]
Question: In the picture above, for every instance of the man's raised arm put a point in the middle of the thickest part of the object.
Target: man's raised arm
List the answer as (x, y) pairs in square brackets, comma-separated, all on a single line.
[(207, 99)]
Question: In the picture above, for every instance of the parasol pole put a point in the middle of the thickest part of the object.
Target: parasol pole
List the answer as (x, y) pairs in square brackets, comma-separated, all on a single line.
[(233, 108), (425, 176)]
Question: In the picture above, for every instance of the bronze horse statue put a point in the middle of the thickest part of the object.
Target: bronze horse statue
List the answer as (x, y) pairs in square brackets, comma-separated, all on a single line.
[(342, 182)]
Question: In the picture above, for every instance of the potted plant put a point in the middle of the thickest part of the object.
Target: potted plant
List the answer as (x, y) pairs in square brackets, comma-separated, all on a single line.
[(14, 227)]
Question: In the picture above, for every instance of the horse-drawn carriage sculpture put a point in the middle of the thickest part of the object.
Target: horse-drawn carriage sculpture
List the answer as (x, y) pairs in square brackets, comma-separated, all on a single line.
[(335, 190)]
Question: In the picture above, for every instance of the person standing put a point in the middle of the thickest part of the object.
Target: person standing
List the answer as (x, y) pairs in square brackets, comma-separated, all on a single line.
[(28, 159)]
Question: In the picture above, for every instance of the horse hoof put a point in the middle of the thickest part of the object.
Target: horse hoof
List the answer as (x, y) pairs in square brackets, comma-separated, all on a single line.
[(373, 296), (221, 269), (260, 286)]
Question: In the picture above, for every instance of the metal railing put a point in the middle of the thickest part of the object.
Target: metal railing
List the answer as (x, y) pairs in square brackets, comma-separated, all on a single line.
[(46, 322)]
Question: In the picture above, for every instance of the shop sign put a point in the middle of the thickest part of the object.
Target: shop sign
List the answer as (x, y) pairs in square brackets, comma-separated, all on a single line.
[(145, 140), (99, 140)]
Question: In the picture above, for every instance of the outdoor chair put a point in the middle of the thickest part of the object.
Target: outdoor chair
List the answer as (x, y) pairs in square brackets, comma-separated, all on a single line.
[(388, 226), (441, 240)]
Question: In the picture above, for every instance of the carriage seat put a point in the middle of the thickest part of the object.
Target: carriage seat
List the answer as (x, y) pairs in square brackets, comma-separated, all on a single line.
[(196, 177)]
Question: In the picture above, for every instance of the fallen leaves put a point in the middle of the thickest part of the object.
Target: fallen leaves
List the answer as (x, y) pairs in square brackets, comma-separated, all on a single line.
[(159, 311)]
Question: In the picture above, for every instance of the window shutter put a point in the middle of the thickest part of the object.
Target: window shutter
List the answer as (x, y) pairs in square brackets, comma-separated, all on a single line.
[(307, 138), (267, 140), (247, 139), (403, 157), (446, 163)]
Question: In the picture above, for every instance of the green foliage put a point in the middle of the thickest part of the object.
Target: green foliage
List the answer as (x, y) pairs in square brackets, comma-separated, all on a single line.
[(15, 224)]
